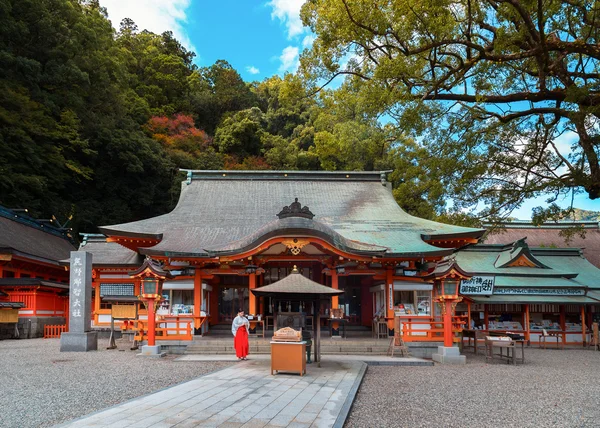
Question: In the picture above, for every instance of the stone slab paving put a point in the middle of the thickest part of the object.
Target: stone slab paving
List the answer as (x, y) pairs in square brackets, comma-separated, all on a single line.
[(244, 395)]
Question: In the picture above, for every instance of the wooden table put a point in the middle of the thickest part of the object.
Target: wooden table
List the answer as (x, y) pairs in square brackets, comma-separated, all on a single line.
[(253, 325), (288, 357), (509, 345)]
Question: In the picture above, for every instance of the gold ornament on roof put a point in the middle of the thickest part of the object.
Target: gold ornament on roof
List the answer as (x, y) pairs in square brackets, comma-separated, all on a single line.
[(295, 245)]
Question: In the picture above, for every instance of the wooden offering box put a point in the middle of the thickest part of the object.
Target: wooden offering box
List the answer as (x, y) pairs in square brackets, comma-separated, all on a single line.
[(288, 357), (288, 351), (287, 334)]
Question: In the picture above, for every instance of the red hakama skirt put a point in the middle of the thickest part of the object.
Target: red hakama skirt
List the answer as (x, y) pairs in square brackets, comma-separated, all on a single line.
[(240, 342)]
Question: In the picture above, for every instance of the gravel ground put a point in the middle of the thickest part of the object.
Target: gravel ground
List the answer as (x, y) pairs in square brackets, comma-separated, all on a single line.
[(41, 386), (555, 388)]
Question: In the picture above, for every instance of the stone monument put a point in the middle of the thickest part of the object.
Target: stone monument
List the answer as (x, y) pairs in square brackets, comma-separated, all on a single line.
[(80, 338)]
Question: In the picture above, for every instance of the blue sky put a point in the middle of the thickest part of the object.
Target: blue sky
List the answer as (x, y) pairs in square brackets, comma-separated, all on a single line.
[(258, 38)]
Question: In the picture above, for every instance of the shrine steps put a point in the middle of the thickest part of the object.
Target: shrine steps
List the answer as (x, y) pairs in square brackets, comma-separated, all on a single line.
[(353, 331), (215, 346)]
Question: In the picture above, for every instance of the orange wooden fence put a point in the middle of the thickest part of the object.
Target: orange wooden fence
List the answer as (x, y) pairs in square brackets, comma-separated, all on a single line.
[(164, 333), (429, 330), (54, 331)]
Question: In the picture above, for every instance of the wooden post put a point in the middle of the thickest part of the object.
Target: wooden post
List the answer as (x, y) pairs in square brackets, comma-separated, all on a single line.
[(583, 331), (318, 341), (469, 315), (197, 299), (335, 327), (151, 322), (261, 300), (486, 320), (335, 285), (563, 326), (252, 300), (97, 298), (448, 336), (389, 298), (527, 326)]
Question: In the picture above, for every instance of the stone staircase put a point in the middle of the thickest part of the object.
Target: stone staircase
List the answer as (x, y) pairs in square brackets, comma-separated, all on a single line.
[(214, 346), (358, 342)]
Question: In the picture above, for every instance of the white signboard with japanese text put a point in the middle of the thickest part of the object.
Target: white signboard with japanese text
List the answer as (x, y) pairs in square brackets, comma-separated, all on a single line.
[(478, 285), (391, 296), (540, 291)]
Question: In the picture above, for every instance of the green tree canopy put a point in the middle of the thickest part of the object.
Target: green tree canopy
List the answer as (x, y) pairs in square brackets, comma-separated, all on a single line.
[(491, 84)]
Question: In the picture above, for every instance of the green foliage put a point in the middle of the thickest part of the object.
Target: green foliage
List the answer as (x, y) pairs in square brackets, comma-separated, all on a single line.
[(96, 123), (490, 85), (215, 91)]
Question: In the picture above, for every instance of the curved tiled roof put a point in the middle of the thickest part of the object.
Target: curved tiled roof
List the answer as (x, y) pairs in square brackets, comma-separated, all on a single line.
[(548, 235), (218, 209), (295, 283), (30, 238)]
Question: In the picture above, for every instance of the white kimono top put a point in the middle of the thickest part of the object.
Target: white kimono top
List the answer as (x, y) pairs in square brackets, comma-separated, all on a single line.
[(238, 322)]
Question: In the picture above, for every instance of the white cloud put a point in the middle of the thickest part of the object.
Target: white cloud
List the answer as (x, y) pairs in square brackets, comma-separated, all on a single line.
[(252, 69), (288, 12), (289, 59), (152, 15), (308, 40)]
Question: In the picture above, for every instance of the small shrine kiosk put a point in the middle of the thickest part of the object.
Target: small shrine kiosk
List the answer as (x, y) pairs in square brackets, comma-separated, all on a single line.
[(297, 288)]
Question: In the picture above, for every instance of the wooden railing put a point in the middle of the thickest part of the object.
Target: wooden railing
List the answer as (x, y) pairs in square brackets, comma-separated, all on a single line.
[(54, 331), (430, 330), (164, 333)]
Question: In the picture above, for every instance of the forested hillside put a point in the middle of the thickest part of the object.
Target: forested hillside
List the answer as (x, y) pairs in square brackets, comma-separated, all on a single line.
[(95, 123)]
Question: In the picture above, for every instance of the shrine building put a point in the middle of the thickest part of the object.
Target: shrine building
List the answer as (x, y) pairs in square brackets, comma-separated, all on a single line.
[(234, 231), (34, 285)]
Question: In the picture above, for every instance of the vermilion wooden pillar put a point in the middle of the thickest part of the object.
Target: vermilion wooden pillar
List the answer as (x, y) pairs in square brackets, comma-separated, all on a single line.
[(335, 302), (261, 300), (389, 298), (252, 300), (197, 298), (335, 285), (448, 335), (151, 322)]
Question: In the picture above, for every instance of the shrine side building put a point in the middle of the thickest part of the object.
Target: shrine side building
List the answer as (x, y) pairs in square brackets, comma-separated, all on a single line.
[(34, 284), (234, 231)]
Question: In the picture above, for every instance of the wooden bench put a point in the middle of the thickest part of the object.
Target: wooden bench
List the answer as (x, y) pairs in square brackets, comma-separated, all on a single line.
[(510, 347), (542, 338), (478, 337)]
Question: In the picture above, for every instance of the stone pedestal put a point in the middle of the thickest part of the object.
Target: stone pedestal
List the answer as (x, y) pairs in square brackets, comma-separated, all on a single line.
[(449, 355), (151, 351), (79, 342)]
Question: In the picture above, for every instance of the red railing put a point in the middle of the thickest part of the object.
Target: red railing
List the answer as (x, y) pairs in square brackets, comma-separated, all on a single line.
[(164, 333), (54, 331), (429, 330)]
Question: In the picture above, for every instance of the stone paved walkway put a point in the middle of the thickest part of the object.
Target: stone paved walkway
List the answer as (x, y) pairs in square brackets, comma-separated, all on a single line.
[(244, 395)]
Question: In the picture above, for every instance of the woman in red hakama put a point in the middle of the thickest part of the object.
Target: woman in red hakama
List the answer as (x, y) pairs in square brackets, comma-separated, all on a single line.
[(240, 328)]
